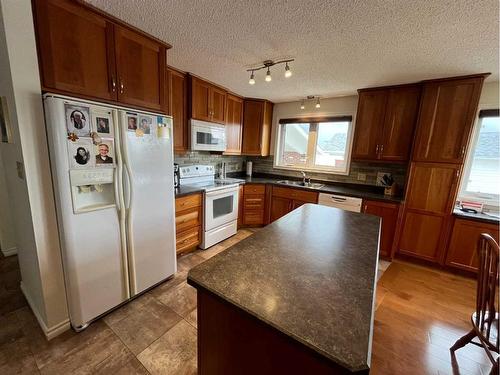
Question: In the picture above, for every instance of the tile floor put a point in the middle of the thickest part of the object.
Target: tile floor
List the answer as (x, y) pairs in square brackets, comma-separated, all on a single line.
[(420, 313)]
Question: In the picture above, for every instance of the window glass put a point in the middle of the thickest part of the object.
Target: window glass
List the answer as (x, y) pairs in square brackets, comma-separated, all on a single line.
[(296, 139), (332, 144)]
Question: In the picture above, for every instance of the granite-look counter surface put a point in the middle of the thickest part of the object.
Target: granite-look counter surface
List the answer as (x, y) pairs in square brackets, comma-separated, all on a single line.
[(478, 217), (183, 190), (311, 275)]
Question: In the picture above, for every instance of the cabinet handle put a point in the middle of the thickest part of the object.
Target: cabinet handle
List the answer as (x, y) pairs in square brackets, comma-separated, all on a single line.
[(113, 84), (462, 152), (376, 150), (121, 86), (381, 149)]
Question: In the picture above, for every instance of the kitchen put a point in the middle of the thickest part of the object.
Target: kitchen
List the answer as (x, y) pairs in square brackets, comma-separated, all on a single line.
[(251, 156)]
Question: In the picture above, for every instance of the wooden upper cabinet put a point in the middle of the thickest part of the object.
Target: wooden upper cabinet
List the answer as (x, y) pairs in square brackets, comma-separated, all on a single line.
[(76, 49), (369, 123), (141, 67), (208, 102), (385, 123), (257, 121), (462, 247), (399, 123), (389, 214), (447, 112), (177, 108), (234, 124), (432, 187)]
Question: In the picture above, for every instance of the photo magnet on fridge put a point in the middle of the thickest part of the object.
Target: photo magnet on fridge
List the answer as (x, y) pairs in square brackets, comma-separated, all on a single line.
[(145, 123), (131, 121), (80, 153), (77, 120), (105, 153), (102, 123)]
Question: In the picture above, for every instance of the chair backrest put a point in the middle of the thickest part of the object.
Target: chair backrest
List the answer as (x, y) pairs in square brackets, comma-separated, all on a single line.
[(487, 281)]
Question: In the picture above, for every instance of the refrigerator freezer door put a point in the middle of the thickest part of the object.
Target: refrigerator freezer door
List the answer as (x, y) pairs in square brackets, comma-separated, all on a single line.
[(93, 251), (147, 152)]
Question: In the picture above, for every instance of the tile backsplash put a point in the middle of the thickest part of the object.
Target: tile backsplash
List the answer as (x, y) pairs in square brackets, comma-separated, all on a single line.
[(358, 170), (265, 165)]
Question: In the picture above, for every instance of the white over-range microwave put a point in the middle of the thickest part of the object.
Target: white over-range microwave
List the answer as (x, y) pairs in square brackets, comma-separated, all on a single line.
[(207, 136)]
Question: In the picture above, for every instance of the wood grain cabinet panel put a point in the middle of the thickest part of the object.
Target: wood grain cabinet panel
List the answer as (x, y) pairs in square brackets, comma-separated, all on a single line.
[(188, 219), (465, 235), (208, 102), (280, 207), (285, 200), (141, 70), (447, 112), (389, 214), (254, 204), (423, 235), (257, 120), (369, 123), (399, 123), (177, 108), (385, 123), (432, 187), (76, 49), (234, 124)]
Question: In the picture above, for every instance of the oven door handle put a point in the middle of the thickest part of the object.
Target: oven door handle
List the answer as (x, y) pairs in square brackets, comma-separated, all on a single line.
[(222, 191)]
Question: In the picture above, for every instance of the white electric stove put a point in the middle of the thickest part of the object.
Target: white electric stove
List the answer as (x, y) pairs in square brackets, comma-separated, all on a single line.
[(220, 202)]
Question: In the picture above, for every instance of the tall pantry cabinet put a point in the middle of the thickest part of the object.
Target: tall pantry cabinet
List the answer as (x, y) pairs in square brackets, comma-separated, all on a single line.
[(446, 117)]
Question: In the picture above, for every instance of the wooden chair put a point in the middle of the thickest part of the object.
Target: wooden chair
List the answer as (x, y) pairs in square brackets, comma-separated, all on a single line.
[(485, 318)]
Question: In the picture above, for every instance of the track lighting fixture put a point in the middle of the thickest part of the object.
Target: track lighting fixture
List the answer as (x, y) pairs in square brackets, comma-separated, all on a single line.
[(267, 64), (318, 105), (310, 98), (302, 105)]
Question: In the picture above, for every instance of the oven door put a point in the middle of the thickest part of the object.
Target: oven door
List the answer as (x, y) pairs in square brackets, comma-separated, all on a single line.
[(206, 136), (221, 207)]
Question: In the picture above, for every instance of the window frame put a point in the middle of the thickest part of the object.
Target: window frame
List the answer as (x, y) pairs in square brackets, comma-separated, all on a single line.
[(313, 142), (489, 200)]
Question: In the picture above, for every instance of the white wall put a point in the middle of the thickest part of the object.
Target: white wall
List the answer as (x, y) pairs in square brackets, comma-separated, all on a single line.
[(489, 96), (345, 105), (7, 230), (31, 197)]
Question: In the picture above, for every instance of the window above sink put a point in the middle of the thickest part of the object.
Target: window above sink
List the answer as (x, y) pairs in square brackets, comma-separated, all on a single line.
[(319, 144)]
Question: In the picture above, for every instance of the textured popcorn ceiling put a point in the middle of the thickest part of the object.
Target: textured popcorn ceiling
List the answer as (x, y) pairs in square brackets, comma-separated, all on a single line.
[(339, 46)]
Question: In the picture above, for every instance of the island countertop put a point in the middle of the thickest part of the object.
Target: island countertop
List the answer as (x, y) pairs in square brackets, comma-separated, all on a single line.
[(311, 275)]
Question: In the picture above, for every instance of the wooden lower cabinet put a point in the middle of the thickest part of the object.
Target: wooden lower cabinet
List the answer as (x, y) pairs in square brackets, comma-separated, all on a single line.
[(188, 220), (285, 200), (423, 235), (389, 214), (254, 204), (463, 242)]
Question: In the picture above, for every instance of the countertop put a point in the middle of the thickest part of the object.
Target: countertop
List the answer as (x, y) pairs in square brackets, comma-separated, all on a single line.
[(478, 217), (310, 275), (351, 190)]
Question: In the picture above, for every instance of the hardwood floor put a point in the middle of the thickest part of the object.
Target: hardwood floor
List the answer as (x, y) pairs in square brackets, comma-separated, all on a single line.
[(420, 312)]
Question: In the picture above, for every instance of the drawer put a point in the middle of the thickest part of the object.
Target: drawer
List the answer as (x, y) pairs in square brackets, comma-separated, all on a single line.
[(187, 219), (255, 189), (295, 194), (253, 217), (253, 202), (187, 239), (188, 201)]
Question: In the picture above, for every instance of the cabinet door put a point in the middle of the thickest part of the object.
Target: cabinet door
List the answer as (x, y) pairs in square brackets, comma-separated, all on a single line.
[(141, 67), (234, 124), (253, 114), (369, 123), (446, 116), (280, 207), (177, 108), (399, 123), (217, 105), (200, 100), (241, 197), (462, 251), (75, 47), (423, 235), (432, 187), (389, 214)]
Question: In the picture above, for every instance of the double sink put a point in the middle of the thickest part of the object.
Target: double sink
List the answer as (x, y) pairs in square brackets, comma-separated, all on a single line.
[(311, 185)]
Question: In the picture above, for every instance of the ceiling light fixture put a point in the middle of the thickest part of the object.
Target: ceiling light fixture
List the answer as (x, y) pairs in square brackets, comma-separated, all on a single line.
[(309, 98), (267, 64), (252, 79), (268, 75)]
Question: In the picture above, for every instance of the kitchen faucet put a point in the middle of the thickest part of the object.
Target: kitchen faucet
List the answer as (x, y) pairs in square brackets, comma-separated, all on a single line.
[(303, 177)]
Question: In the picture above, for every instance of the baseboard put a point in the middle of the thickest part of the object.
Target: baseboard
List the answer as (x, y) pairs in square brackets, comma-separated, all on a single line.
[(9, 252), (51, 332)]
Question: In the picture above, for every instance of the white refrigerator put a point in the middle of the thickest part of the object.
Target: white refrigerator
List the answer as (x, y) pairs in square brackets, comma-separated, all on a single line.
[(112, 170)]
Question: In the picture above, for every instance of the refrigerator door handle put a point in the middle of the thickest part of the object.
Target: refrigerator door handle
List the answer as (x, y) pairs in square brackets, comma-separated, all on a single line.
[(117, 191), (127, 187)]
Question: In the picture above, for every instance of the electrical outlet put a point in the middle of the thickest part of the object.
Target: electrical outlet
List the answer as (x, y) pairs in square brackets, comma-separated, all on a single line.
[(361, 176), (20, 170)]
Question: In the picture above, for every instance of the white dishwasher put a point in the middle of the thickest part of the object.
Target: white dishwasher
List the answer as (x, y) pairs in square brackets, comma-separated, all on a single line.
[(340, 201)]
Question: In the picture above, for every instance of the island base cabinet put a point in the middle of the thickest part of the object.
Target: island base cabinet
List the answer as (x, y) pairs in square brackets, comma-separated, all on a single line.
[(230, 341)]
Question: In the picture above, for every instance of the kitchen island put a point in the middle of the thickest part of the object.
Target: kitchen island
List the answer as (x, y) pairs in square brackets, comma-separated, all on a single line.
[(296, 297)]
